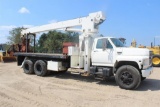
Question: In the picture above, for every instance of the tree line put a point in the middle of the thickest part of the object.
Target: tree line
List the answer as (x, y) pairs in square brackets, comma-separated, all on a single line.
[(50, 42)]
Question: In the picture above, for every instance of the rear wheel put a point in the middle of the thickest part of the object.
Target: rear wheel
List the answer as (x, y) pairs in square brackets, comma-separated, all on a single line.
[(128, 77), (28, 67), (40, 68), (156, 61)]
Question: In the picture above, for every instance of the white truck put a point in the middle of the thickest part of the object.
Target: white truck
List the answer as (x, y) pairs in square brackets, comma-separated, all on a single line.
[(101, 57)]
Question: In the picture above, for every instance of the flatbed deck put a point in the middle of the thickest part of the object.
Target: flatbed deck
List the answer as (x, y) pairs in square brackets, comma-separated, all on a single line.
[(42, 55)]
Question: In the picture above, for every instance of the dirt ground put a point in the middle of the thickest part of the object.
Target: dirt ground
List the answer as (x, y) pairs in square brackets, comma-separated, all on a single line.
[(67, 90)]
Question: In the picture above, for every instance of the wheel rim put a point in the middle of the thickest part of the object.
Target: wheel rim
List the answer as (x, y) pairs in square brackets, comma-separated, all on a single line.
[(126, 78), (156, 60)]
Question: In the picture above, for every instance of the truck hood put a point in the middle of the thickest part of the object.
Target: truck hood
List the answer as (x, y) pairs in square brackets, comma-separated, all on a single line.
[(133, 51)]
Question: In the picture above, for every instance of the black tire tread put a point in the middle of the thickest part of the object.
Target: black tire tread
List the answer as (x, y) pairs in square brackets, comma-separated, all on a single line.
[(44, 68), (30, 64), (134, 71)]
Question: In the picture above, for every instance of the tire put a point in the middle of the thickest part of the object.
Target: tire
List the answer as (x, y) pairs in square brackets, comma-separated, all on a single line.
[(40, 68), (156, 61), (128, 77), (28, 67)]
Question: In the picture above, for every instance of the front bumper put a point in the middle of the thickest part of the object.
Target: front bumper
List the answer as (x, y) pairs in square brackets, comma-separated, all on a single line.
[(147, 72)]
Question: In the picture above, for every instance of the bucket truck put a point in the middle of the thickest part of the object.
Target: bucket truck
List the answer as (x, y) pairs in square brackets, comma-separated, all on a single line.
[(101, 57)]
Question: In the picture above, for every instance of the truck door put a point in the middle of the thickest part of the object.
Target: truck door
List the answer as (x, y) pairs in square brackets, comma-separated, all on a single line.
[(102, 53)]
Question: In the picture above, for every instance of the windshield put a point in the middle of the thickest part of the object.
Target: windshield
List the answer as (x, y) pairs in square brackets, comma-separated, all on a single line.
[(117, 42)]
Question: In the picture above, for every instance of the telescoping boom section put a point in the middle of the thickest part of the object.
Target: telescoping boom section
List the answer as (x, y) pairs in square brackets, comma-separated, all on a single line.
[(88, 24)]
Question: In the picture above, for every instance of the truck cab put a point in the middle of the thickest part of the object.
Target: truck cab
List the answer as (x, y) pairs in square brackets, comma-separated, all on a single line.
[(125, 63)]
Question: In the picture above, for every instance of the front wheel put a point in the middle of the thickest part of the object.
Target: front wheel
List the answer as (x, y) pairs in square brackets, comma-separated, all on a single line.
[(128, 77)]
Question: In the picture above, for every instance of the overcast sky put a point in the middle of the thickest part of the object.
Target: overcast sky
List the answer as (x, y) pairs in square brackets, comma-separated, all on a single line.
[(131, 19)]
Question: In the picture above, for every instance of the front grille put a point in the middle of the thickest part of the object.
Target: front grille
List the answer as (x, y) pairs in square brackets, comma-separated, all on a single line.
[(150, 57)]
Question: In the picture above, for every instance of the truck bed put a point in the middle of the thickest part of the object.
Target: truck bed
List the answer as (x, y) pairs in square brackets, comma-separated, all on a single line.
[(42, 55)]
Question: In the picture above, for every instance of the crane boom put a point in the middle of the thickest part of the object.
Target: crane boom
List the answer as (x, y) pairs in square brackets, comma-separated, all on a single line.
[(87, 24)]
